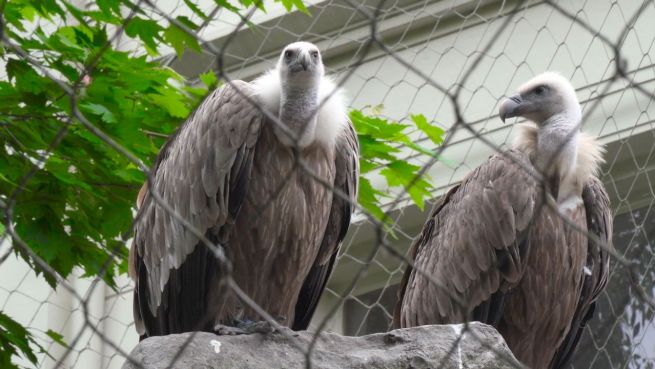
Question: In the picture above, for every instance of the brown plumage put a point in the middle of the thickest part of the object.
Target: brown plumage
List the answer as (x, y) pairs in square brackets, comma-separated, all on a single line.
[(233, 175), (492, 243)]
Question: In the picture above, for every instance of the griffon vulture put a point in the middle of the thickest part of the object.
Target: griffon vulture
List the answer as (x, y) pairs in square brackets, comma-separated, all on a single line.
[(494, 245), (232, 173)]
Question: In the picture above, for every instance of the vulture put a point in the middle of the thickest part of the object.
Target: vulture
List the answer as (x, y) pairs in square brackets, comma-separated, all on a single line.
[(494, 251), (256, 189)]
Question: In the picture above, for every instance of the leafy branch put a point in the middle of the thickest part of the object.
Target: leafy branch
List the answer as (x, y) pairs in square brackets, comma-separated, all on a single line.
[(15, 340), (381, 148)]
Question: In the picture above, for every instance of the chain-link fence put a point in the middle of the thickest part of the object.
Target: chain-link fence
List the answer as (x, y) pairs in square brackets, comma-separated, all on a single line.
[(451, 61)]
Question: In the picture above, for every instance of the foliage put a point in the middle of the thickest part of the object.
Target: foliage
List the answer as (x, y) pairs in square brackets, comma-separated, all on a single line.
[(77, 210), (381, 141), (14, 339)]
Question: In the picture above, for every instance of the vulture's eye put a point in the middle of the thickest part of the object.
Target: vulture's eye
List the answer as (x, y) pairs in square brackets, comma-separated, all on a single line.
[(288, 54), (314, 54), (540, 90)]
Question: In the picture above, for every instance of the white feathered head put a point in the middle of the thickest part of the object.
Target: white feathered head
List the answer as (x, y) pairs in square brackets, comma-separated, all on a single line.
[(300, 63), (541, 98)]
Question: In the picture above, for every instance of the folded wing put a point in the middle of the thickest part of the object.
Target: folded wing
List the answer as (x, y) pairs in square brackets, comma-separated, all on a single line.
[(203, 173)]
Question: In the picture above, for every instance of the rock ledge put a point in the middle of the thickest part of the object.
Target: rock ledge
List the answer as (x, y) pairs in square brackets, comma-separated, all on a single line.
[(420, 347)]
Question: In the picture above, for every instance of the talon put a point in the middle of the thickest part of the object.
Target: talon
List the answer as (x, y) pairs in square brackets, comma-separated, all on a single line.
[(244, 327), (262, 327)]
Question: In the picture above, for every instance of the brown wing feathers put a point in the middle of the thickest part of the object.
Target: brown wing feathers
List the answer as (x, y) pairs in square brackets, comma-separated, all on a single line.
[(483, 222), (347, 169), (599, 223), (214, 148)]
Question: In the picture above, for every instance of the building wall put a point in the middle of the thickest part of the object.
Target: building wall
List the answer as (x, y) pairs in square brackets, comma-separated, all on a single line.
[(442, 40)]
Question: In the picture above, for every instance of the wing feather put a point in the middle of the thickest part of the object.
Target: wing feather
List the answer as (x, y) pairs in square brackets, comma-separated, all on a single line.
[(202, 172), (599, 223), (471, 244), (346, 180)]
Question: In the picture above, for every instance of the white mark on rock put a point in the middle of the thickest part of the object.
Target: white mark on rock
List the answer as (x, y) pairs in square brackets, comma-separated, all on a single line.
[(457, 328), (587, 271), (217, 346)]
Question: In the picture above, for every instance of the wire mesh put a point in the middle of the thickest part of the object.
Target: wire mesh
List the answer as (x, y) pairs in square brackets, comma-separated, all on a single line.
[(449, 60)]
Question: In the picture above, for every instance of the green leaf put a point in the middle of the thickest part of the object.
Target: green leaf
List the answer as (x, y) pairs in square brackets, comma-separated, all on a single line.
[(13, 15), (377, 127), (434, 133), (180, 40), (14, 339), (76, 38), (401, 173), (209, 79), (172, 103), (27, 80), (380, 142), (368, 198), (421, 149), (100, 110), (117, 218), (366, 165), (48, 7), (370, 147), (109, 6), (195, 9), (28, 12), (187, 22), (227, 5), (289, 4), (145, 29), (56, 337)]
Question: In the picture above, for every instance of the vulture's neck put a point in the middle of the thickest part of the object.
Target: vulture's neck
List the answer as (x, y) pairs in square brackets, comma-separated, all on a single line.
[(565, 157), (299, 112), (557, 147), (329, 122)]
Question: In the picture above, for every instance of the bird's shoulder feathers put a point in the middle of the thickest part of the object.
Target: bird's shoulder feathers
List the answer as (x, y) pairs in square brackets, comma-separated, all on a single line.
[(346, 183), (472, 243)]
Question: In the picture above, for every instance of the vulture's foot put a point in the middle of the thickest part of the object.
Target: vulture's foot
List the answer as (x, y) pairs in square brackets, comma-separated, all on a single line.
[(226, 330), (261, 326), (244, 327)]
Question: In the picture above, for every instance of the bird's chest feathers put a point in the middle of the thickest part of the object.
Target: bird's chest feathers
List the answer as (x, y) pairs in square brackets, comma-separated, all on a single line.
[(288, 190)]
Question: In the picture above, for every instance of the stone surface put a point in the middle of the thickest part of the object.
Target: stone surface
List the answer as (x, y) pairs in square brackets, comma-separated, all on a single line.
[(433, 346)]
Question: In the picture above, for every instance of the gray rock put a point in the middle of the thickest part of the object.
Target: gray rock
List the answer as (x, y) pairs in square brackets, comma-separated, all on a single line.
[(433, 346)]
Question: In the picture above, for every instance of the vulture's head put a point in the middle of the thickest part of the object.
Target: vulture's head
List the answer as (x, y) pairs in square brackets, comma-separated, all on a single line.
[(544, 97), (300, 64)]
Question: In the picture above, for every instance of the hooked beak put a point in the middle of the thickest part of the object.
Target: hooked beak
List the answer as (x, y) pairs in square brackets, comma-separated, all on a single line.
[(304, 59), (509, 107), (301, 63)]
